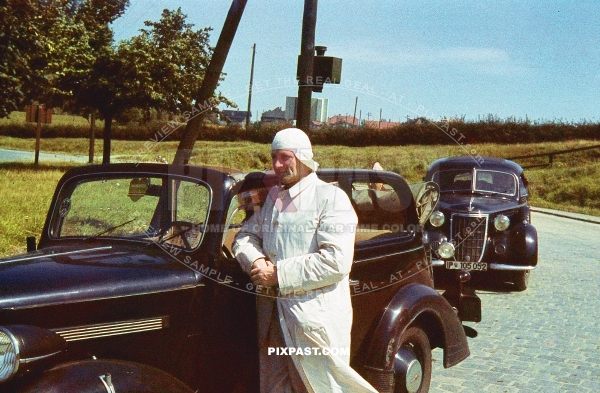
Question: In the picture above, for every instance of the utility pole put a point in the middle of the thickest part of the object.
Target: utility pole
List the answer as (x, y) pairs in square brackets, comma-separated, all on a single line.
[(354, 116), (92, 136), (307, 53), (250, 87), (38, 132)]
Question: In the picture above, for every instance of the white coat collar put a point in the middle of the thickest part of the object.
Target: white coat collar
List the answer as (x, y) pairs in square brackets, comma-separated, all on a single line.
[(297, 188)]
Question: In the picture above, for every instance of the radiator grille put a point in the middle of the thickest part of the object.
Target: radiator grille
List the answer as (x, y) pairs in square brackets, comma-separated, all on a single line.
[(469, 234)]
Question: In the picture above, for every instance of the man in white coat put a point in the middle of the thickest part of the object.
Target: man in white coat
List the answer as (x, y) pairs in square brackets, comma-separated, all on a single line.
[(299, 248)]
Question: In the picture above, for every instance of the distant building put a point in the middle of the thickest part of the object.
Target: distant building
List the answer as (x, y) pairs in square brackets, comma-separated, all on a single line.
[(276, 115), (318, 109), (339, 120), (234, 116), (382, 125)]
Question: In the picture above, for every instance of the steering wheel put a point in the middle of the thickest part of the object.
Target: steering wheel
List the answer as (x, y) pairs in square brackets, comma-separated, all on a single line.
[(183, 234)]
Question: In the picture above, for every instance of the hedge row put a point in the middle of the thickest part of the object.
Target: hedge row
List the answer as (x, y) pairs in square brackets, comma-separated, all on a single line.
[(404, 134)]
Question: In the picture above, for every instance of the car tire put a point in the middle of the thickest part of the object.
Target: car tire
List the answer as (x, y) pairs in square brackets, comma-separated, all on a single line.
[(413, 363), (521, 280)]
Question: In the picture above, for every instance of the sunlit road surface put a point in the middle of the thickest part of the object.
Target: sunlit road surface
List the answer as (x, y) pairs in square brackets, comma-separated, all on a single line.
[(547, 338)]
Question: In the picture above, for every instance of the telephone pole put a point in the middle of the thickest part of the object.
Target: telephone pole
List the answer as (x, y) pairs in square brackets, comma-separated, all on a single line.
[(250, 87), (307, 53)]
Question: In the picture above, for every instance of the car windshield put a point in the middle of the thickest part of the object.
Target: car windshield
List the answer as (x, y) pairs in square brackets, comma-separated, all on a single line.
[(485, 181), (144, 208)]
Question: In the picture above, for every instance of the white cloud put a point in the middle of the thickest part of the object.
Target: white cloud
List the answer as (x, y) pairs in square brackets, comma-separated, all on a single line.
[(477, 59), (473, 55)]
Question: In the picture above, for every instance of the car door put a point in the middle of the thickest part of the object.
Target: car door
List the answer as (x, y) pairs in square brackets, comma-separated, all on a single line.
[(389, 252)]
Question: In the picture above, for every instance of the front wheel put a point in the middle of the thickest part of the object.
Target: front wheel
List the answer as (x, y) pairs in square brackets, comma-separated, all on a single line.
[(412, 364)]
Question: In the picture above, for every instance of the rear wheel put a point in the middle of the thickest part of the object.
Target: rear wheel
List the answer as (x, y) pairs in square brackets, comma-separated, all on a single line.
[(412, 364)]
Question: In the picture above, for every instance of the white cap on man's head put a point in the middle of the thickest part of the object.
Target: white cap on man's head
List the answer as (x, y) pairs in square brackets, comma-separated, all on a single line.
[(294, 139)]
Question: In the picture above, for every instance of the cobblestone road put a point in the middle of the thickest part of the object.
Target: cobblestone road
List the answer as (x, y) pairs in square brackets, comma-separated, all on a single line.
[(546, 339)]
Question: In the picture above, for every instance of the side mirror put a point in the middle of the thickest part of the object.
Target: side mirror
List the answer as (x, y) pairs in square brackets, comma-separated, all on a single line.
[(31, 246)]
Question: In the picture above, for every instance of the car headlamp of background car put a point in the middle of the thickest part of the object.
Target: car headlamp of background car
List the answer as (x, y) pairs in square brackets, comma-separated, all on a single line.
[(437, 219)]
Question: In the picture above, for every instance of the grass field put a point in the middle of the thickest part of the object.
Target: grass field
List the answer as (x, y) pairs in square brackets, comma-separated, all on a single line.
[(571, 184), (19, 118)]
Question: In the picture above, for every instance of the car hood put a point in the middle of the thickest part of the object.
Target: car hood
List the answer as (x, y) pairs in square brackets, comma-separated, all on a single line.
[(474, 203), (65, 274)]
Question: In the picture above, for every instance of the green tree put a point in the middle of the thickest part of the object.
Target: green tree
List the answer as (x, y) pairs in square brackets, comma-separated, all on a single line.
[(171, 59), (62, 52), (161, 68), (21, 52), (45, 44), (84, 71)]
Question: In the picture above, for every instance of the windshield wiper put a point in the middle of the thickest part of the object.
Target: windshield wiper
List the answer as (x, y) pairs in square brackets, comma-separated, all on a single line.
[(104, 232)]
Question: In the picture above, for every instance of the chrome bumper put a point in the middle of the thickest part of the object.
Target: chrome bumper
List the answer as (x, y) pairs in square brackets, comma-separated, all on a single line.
[(500, 266)]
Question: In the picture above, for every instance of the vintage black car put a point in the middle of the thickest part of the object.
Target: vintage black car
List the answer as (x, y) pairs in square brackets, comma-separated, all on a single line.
[(482, 223), (132, 287)]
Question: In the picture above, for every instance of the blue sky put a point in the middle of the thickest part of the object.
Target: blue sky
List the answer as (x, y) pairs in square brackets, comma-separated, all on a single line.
[(538, 60)]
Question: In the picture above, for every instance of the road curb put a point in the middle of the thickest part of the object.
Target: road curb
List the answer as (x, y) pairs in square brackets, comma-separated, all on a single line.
[(572, 216)]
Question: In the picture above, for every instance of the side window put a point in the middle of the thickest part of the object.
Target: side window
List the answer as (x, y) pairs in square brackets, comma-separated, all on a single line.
[(379, 211), (192, 204)]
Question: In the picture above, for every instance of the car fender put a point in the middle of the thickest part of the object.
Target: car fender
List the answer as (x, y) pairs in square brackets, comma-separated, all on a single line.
[(102, 376), (525, 238), (416, 303)]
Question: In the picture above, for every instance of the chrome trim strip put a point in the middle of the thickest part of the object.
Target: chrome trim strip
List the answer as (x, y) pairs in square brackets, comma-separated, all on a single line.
[(387, 255), (44, 255), (183, 287), (437, 262), (33, 359), (111, 329), (501, 266)]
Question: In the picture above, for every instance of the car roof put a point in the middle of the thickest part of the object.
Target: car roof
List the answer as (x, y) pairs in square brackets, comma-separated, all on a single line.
[(198, 172), (478, 162)]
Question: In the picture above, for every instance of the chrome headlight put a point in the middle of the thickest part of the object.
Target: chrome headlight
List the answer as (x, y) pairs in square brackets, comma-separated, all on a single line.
[(27, 346), (446, 250), (437, 219), (9, 355), (501, 222)]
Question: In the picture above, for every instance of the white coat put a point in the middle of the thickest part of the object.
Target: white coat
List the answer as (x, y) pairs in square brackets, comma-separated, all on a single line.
[(308, 233)]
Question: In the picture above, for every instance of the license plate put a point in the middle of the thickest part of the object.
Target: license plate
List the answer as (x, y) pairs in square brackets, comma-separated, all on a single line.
[(480, 266)]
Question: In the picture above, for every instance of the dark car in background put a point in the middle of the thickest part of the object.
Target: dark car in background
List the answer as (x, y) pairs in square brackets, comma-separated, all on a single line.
[(482, 223), (133, 287)]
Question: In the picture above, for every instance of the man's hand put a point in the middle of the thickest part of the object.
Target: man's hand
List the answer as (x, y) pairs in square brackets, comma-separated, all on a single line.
[(263, 273)]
